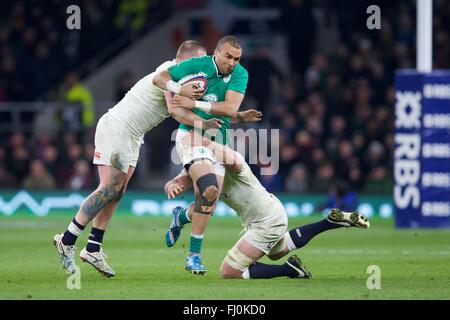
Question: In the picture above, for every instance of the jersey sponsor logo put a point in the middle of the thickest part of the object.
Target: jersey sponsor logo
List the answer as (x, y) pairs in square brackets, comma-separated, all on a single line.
[(227, 78), (97, 155), (210, 97), (270, 244)]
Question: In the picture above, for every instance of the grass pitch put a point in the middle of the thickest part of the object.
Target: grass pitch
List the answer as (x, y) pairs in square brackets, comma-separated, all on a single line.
[(414, 264)]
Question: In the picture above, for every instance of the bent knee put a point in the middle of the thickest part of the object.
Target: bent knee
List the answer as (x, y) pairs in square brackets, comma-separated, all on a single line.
[(121, 192), (227, 272), (109, 192), (211, 194), (231, 275), (234, 264), (208, 187)]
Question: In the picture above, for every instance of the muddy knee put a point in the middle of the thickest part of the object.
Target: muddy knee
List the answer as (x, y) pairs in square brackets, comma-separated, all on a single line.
[(209, 193)]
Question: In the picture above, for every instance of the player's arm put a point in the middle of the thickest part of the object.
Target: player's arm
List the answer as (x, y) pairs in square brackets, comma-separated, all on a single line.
[(227, 156), (178, 185), (250, 115), (230, 158), (227, 108), (167, 79), (164, 81), (186, 116)]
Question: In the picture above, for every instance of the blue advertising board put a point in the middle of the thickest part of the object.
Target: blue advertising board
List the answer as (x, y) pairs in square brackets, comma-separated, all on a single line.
[(422, 149)]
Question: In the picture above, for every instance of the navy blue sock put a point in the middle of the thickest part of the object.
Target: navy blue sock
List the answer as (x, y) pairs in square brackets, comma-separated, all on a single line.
[(95, 240), (302, 235), (73, 231), (260, 270)]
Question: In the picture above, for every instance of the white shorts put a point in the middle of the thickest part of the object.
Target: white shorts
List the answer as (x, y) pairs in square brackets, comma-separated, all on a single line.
[(268, 235), (115, 146), (189, 154)]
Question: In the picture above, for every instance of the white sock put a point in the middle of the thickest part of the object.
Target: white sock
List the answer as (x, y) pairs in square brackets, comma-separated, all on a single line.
[(73, 229), (290, 244), (245, 274)]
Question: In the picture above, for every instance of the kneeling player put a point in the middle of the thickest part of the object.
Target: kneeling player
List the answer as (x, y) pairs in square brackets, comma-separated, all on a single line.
[(264, 219)]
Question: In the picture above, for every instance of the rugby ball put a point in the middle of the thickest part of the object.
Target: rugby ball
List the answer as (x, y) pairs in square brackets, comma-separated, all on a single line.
[(197, 80)]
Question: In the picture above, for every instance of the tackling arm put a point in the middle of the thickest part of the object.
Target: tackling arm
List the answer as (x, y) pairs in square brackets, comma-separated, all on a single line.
[(250, 115), (228, 108), (164, 81), (188, 117), (178, 185), (230, 158), (160, 80), (227, 156)]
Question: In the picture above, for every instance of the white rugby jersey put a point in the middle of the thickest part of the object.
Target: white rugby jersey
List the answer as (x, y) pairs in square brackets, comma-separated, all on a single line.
[(244, 194), (144, 105)]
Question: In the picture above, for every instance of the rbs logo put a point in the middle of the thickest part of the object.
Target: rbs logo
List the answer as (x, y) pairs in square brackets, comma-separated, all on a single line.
[(408, 112)]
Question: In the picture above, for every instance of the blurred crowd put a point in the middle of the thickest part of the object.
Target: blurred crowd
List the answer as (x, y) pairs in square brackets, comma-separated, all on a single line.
[(37, 50), (46, 163), (334, 109)]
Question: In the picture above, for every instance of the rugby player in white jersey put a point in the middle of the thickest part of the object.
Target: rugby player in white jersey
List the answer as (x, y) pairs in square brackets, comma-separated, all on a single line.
[(263, 217), (118, 137)]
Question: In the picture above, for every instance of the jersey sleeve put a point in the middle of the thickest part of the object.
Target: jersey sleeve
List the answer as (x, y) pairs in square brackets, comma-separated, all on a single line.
[(184, 68), (239, 83)]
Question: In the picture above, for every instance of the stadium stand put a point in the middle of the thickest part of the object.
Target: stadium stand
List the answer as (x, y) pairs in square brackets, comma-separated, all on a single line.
[(334, 109)]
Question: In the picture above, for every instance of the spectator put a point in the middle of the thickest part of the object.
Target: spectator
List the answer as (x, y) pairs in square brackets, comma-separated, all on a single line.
[(75, 92), (50, 159), (19, 162), (379, 181), (299, 25), (263, 71), (7, 180), (297, 180), (131, 15), (74, 152), (324, 178), (39, 177), (81, 177)]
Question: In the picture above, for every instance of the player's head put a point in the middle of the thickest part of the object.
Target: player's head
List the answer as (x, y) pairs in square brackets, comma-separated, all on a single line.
[(227, 54), (190, 49)]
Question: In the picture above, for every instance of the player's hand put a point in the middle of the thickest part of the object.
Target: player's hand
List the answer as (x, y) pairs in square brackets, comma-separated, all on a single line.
[(183, 102), (212, 124), (191, 92), (194, 139), (173, 189), (251, 115)]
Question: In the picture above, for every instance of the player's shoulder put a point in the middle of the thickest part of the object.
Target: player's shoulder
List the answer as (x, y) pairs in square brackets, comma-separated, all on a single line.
[(200, 60), (165, 65), (240, 71)]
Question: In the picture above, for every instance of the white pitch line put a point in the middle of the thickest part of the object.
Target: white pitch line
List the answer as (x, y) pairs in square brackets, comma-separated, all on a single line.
[(378, 252)]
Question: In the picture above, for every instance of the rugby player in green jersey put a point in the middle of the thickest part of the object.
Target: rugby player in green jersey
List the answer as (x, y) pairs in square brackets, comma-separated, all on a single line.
[(227, 83)]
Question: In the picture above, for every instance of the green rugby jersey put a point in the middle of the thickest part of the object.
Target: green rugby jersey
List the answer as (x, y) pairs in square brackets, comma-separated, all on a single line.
[(218, 85)]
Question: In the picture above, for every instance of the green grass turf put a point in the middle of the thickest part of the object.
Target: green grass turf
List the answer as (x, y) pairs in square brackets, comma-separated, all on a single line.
[(415, 264)]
